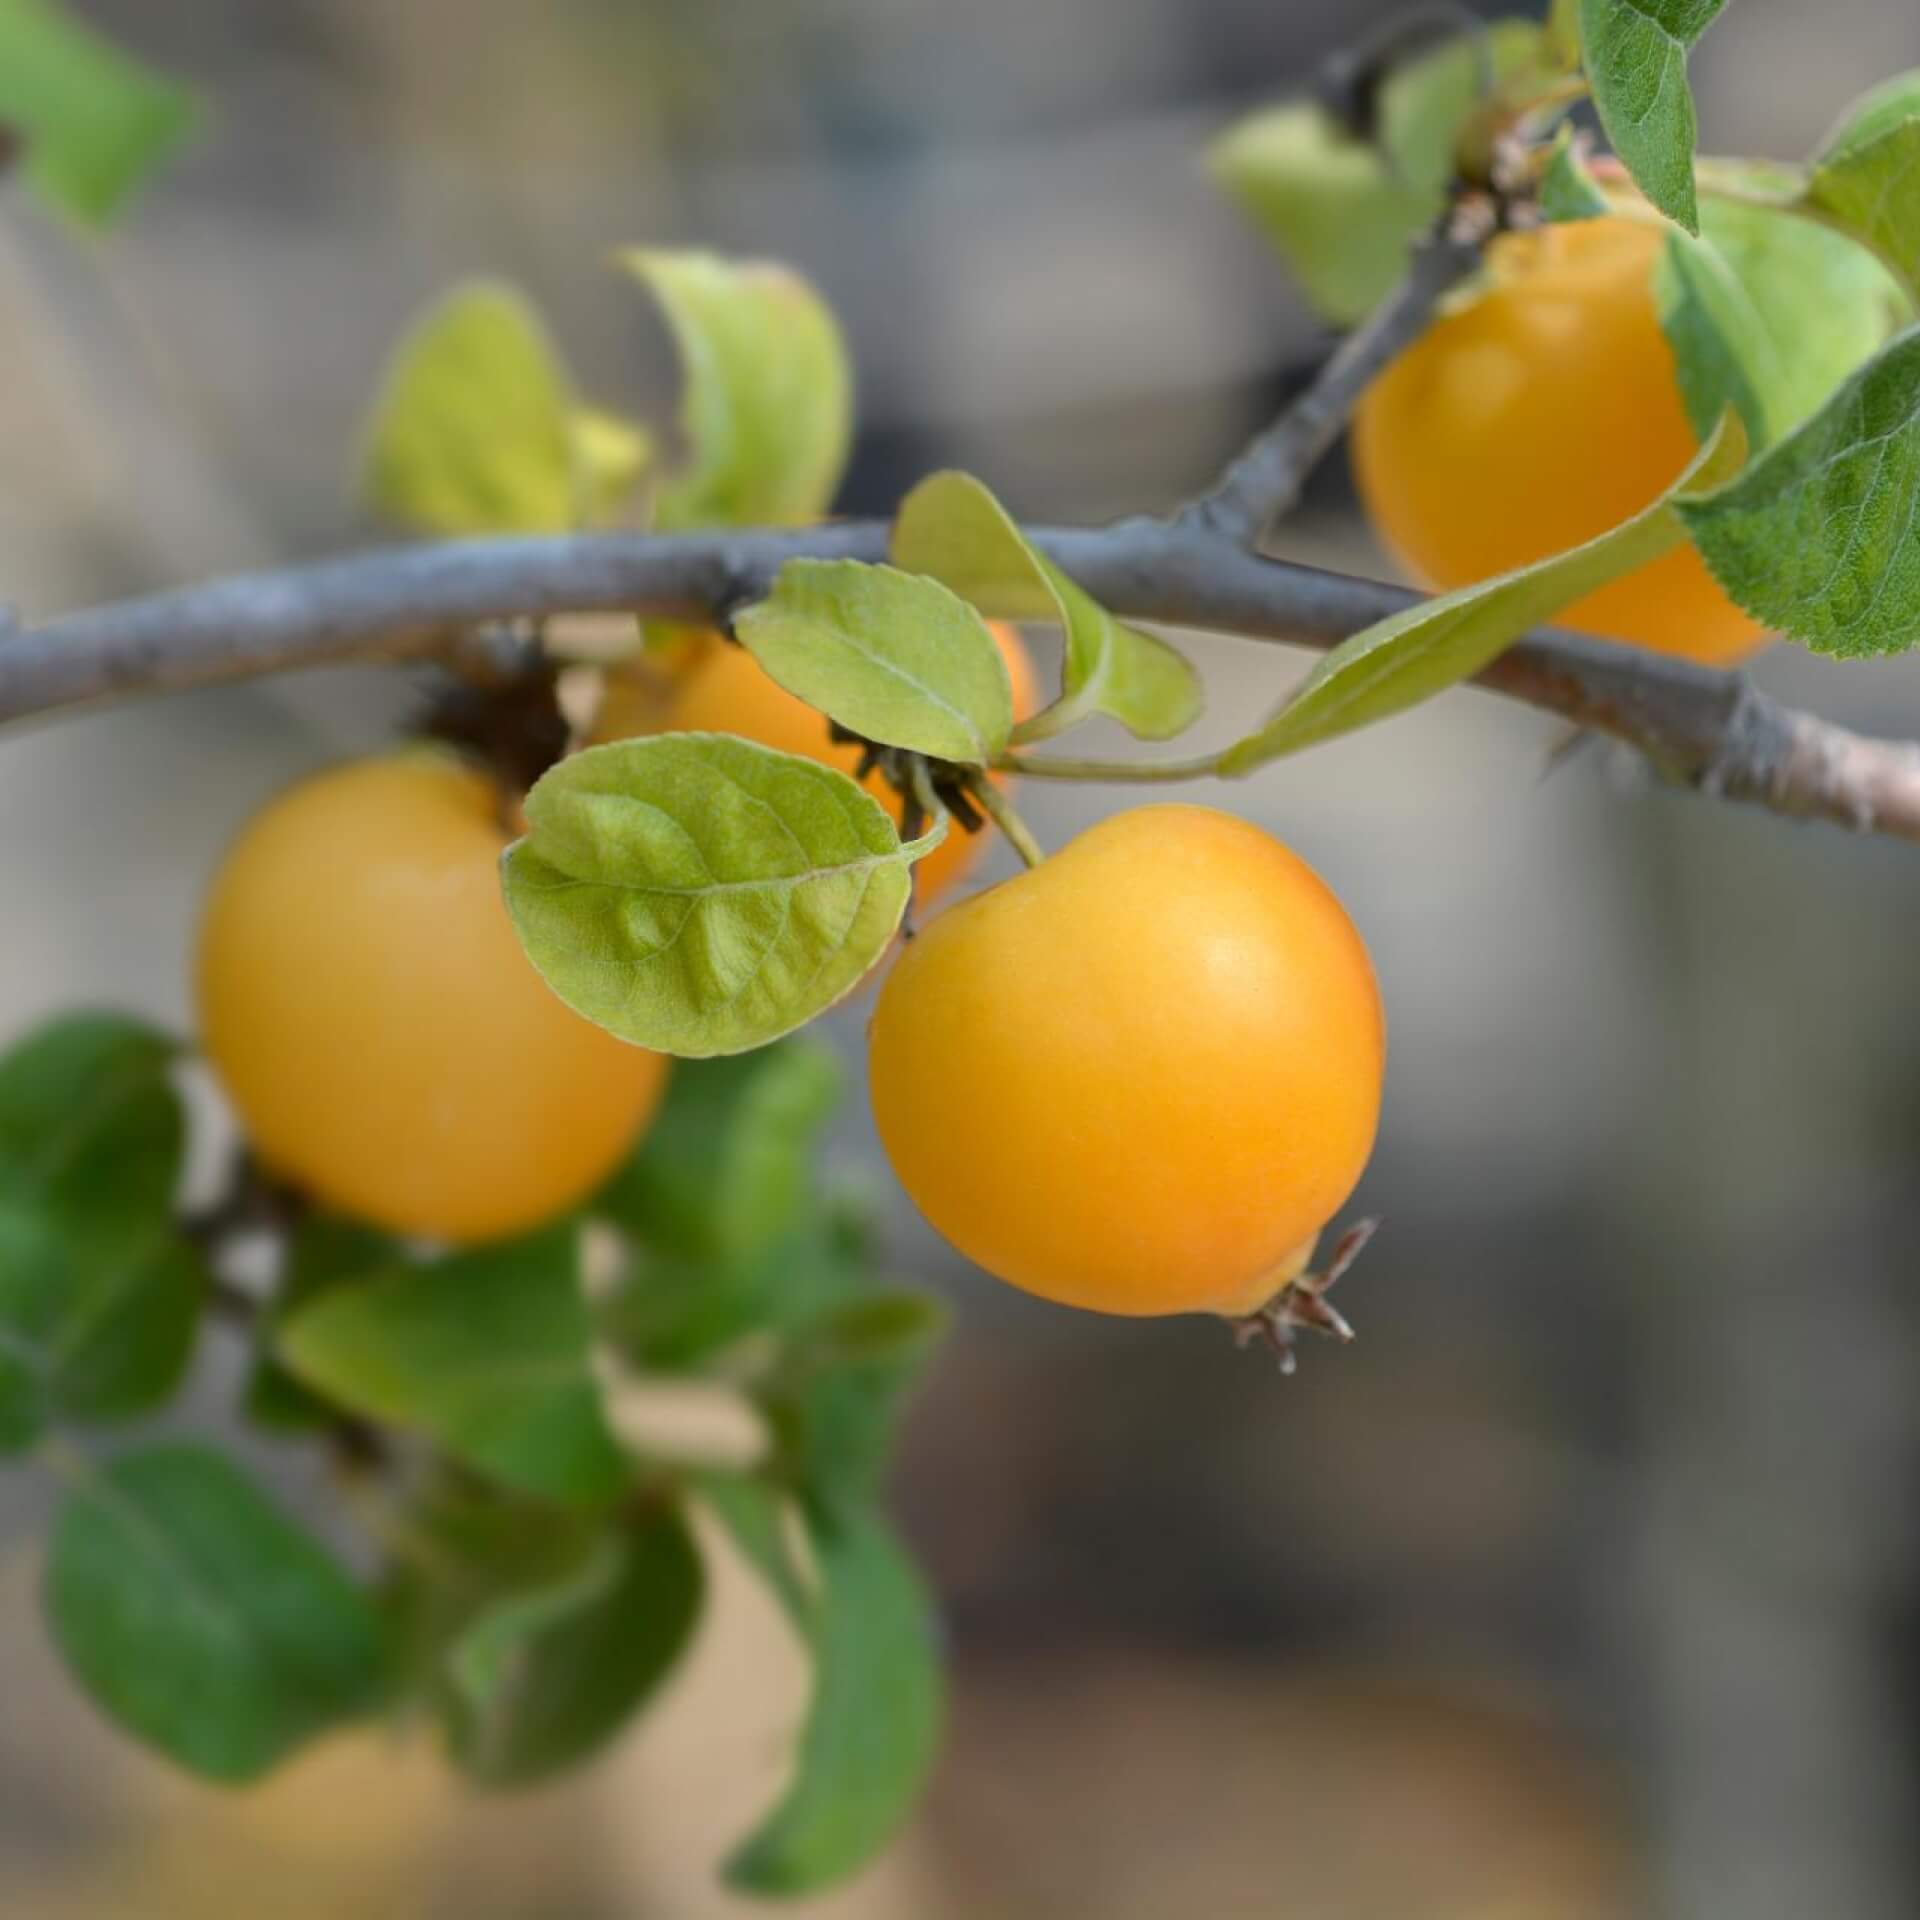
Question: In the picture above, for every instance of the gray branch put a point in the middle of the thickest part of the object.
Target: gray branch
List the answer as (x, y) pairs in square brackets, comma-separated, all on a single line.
[(1711, 730), (1265, 481)]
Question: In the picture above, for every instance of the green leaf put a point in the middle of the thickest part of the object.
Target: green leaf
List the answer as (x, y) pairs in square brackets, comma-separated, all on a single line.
[(1768, 312), (676, 1313), (766, 414), (95, 123), (1723, 355), (892, 656), (325, 1252), (202, 1619), (488, 1351), (952, 528), (1568, 191), (475, 428), (762, 1522), (544, 1677), (728, 1165), (89, 1119), (99, 1292), (835, 1403), (1432, 645), (609, 456), (873, 1729), (1636, 57), (1816, 537), (700, 894), (1867, 174), (1343, 211), (97, 1323)]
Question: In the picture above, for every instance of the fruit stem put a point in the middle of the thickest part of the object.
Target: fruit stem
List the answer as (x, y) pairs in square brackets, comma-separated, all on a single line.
[(1055, 767), (1000, 810)]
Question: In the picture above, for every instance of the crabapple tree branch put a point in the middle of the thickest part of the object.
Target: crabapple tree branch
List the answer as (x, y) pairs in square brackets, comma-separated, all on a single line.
[(1711, 730), (1264, 482)]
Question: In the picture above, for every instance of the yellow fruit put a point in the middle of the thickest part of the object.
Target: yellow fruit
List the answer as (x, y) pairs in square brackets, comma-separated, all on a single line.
[(727, 691), (1534, 417), (1141, 1077), (371, 1015)]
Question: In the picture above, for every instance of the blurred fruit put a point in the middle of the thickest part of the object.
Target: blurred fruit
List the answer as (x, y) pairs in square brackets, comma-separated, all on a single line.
[(1141, 1077), (369, 1011), (1536, 415)]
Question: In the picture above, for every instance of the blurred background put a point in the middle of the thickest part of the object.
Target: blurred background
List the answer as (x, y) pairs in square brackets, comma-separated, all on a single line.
[(1584, 1586)]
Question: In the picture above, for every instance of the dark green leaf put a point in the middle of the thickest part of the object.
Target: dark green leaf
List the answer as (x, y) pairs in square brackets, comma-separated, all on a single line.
[(1636, 56), (1816, 537), (202, 1619), (95, 124), (836, 1401), (675, 1313), (1722, 354), (99, 1292), (767, 410), (1867, 174), (1436, 643), (545, 1676), (325, 1252), (895, 657), (952, 528), (763, 1522), (874, 1727), (487, 1351), (700, 894), (727, 1166)]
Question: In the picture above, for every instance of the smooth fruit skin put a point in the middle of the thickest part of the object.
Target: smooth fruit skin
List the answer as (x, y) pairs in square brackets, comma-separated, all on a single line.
[(1536, 416), (726, 690), (387, 1044), (1142, 1076)]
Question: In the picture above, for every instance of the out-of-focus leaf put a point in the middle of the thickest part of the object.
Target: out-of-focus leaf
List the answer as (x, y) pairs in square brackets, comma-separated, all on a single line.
[(201, 1619), (324, 1253), (1867, 174), (766, 413), (94, 122), (488, 1351), (874, 1727)]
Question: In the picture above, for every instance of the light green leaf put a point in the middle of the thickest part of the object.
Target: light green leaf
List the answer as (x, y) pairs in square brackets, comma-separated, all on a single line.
[(95, 123), (201, 1619), (1568, 191), (892, 656), (700, 894), (475, 428), (544, 1677), (952, 528), (728, 1165), (1723, 355), (1816, 538), (488, 1351), (609, 456), (1867, 174), (1768, 312), (766, 415), (761, 1520), (324, 1253), (1408, 658), (1343, 211), (1636, 57), (874, 1727)]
